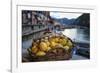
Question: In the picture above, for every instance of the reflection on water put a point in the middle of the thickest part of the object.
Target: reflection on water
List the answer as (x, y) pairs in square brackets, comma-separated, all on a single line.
[(77, 35), (71, 33)]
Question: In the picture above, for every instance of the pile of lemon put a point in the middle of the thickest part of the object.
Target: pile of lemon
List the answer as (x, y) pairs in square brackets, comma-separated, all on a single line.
[(40, 47)]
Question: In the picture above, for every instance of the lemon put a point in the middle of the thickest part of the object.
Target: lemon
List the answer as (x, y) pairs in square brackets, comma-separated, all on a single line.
[(47, 42), (40, 53), (69, 43), (43, 46), (49, 48), (56, 40), (66, 47), (34, 49), (53, 44), (63, 41)]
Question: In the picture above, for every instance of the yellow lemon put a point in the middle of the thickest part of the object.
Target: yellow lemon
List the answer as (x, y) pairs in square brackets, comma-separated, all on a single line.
[(69, 43), (49, 48), (43, 46), (56, 40), (34, 49), (53, 44), (47, 42), (66, 47), (63, 41), (40, 53)]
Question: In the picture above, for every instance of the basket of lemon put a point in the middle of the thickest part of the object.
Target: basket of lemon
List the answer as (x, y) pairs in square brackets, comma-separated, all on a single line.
[(51, 48)]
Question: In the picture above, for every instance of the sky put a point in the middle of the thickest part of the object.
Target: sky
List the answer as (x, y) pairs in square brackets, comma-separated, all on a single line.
[(64, 15)]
